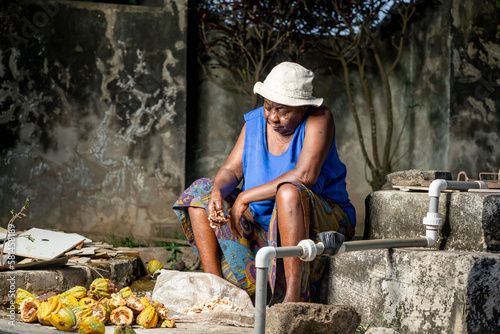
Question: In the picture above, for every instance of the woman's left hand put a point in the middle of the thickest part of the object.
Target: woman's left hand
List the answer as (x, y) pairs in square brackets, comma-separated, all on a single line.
[(237, 211)]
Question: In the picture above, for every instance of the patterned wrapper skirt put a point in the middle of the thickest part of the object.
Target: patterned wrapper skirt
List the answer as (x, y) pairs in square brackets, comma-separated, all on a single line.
[(238, 255)]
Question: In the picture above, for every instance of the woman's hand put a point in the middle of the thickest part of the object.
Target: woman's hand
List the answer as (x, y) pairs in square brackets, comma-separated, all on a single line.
[(216, 214), (237, 211)]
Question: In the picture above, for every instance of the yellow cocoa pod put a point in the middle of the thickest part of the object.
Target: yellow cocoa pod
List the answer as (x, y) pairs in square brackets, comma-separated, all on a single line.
[(125, 292), (144, 301), (168, 323), (100, 312), (91, 326), (161, 310), (87, 301), (136, 304), (116, 301), (68, 301), (122, 316), (154, 266), (102, 287), (124, 329), (64, 320), (147, 318), (53, 305), (77, 291), (20, 296), (29, 310), (81, 312)]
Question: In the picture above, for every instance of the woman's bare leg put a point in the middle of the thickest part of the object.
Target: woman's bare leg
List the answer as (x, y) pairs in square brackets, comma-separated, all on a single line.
[(206, 241), (292, 231)]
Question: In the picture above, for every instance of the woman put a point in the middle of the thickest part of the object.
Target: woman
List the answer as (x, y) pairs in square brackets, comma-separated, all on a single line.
[(293, 188)]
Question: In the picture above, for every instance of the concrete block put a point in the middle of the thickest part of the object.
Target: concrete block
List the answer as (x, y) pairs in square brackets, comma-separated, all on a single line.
[(470, 220), (310, 318), (418, 291)]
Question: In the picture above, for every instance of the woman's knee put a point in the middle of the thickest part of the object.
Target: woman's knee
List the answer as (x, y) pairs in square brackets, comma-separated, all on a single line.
[(196, 214), (288, 194)]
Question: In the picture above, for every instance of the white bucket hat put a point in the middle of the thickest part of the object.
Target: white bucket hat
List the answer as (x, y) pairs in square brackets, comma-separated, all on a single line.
[(289, 84)]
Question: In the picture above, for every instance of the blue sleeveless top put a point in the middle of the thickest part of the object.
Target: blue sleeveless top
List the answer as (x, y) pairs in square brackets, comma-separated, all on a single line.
[(260, 166)]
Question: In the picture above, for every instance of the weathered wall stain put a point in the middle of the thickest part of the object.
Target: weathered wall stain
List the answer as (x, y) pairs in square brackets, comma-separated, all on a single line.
[(93, 115)]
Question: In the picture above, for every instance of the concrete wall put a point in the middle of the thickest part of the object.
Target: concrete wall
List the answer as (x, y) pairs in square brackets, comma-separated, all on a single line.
[(474, 87), (450, 67), (92, 119), (93, 110)]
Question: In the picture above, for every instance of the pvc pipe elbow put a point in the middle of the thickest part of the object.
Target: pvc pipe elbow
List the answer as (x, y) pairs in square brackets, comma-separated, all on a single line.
[(431, 235), (436, 186), (264, 255)]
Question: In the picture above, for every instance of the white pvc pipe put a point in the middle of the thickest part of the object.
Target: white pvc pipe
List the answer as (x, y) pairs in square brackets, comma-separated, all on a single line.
[(263, 256), (433, 219)]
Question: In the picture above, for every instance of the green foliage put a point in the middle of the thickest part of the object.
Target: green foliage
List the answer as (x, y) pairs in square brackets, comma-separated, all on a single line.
[(129, 241), (174, 248)]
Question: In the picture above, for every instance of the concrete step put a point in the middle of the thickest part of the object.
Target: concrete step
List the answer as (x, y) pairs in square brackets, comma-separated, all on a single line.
[(418, 290), (470, 220)]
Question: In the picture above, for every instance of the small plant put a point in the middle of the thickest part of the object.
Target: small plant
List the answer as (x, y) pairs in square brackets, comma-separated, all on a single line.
[(363, 329), (11, 228), (174, 248)]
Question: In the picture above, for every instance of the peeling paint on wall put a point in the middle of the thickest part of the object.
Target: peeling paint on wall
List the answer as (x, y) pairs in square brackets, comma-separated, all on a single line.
[(93, 117)]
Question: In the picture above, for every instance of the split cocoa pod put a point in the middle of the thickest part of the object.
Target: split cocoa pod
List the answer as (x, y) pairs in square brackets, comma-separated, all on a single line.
[(64, 320)]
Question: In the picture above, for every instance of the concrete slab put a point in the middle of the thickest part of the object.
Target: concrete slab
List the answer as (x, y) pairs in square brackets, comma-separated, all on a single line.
[(470, 220), (418, 291)]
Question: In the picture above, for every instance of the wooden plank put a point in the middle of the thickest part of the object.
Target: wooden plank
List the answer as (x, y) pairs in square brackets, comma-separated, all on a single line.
[(74, 252), (484, 191), (46, 244), (420, 188)]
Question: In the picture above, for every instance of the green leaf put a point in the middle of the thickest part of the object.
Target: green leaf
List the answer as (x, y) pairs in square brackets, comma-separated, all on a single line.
[(414, 105)]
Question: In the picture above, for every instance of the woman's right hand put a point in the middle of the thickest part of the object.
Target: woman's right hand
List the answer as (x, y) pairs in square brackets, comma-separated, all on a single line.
[(216, 214)]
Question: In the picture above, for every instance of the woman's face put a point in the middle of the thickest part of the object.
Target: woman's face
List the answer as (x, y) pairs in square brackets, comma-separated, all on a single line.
[(282, 118)]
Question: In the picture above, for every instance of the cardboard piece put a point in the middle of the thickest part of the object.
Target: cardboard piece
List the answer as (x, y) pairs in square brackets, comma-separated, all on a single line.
[(46, 244)]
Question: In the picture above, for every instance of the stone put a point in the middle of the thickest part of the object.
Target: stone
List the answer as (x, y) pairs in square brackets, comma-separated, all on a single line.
[(414, 177), (311, 318)]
